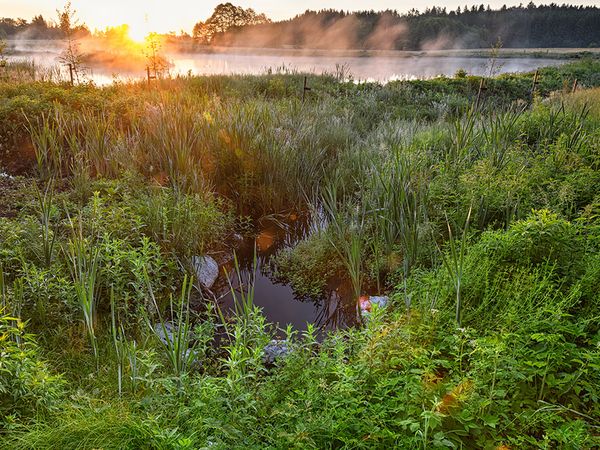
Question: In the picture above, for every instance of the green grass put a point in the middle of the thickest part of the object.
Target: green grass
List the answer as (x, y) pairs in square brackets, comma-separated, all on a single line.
[(483, 228)]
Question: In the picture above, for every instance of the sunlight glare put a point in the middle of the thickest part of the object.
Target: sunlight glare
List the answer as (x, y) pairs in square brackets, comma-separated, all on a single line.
[(139, 31)]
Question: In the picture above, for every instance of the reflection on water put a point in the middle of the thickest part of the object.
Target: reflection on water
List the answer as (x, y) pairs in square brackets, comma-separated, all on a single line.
[(372, 68), (280, 305), (376, 68)]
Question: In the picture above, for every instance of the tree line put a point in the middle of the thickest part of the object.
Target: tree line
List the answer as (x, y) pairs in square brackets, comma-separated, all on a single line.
[(436, 28), (480, 26), (40, 28)]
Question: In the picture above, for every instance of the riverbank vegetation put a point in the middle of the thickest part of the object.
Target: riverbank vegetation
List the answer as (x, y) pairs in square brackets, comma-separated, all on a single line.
[(475, 210)]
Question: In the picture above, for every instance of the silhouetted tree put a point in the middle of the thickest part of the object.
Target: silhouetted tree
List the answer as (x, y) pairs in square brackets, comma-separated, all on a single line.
[(71, 55), (224, 17)]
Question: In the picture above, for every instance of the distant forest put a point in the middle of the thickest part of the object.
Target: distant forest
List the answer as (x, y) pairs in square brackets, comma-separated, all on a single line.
[(37, 28), (475, 27), (436, 28)]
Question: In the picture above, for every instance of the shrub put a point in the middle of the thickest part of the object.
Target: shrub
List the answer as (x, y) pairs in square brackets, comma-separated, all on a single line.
[(308, 266), (27, 386)]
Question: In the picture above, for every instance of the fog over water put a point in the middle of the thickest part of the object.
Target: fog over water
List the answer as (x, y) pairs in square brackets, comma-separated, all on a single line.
[(381, 67)]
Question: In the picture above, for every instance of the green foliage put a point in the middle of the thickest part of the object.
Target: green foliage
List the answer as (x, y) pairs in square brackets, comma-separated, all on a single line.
[(392, 174), (541, 238), (184, 224), (308, 266), (27, 386)]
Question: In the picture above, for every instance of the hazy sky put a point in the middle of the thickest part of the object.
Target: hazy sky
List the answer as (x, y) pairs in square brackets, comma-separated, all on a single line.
[(175, 15)]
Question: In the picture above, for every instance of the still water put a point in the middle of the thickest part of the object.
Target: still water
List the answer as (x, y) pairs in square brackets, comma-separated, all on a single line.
[(335, 308), (381, 67)]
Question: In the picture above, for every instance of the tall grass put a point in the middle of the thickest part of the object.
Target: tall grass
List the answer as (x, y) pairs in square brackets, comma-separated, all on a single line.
[(499, 131), (399, 206), (455, 263), (175, 335), (97, 135), (465, 139), (347, 229), (47, 139), (45, 208), (167, 143), (84, 261)]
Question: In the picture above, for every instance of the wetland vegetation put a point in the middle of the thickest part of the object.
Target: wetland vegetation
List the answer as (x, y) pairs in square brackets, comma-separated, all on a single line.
[(473, 204)]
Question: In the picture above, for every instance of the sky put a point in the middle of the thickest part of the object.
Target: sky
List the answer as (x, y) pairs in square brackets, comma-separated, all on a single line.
[(176, 15)]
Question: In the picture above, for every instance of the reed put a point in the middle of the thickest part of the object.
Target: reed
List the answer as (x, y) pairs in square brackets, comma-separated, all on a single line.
[(46, 137), (499, 131), (465, 136), (347, 227), (174, 335), (454, 262), (84, 261), (49, 232), (398, 204)]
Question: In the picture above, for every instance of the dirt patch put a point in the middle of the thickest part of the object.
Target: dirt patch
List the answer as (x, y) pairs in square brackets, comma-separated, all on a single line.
[(14, 191), (19, 160)]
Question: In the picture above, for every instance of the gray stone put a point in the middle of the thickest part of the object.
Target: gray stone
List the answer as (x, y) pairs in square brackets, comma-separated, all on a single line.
[(275, 350), (207, 270), (379, 301), (165, 334)]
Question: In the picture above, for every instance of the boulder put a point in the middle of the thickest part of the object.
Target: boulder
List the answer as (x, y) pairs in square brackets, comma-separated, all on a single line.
[(275, 350), (206, 269), (380, 301), (366, 303), (165, 334)]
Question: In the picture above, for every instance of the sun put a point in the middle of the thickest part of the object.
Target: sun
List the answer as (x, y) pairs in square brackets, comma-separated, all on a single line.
[(138, 31)]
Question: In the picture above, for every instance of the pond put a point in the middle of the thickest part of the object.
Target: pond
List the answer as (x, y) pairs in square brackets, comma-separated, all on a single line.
[(381, 66), (336, 308)]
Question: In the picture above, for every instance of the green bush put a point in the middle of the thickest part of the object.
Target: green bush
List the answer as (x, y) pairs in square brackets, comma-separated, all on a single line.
[(184, 224), (27, 386), (309, 265)]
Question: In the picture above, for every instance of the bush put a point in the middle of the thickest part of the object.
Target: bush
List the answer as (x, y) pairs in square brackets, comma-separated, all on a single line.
[(27, 387), (308, 266), (184, 224)]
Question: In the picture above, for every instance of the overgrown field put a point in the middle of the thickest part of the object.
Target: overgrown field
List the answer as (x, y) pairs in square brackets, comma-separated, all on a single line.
[(479, 218)]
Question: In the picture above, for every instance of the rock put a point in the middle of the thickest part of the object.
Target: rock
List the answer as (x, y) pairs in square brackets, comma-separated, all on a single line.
[(380, 301), (275, 350), (207, 270), (160, 332), (366, 303)]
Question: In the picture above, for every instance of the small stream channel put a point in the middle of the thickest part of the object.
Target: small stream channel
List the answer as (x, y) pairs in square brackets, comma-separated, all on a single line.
[(280, 304)]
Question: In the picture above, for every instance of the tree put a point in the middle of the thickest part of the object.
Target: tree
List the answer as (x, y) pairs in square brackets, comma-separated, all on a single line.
[(71, 55), (157, 64), (224, 17)]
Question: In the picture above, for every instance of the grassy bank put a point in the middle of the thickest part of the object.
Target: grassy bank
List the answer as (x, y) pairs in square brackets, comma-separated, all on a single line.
[(478, 218)]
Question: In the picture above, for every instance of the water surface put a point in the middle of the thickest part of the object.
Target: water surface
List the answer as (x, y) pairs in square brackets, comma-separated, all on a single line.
[(380, 67)]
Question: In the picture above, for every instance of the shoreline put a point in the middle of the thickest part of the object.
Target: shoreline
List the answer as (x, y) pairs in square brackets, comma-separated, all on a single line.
[(48, 46)]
